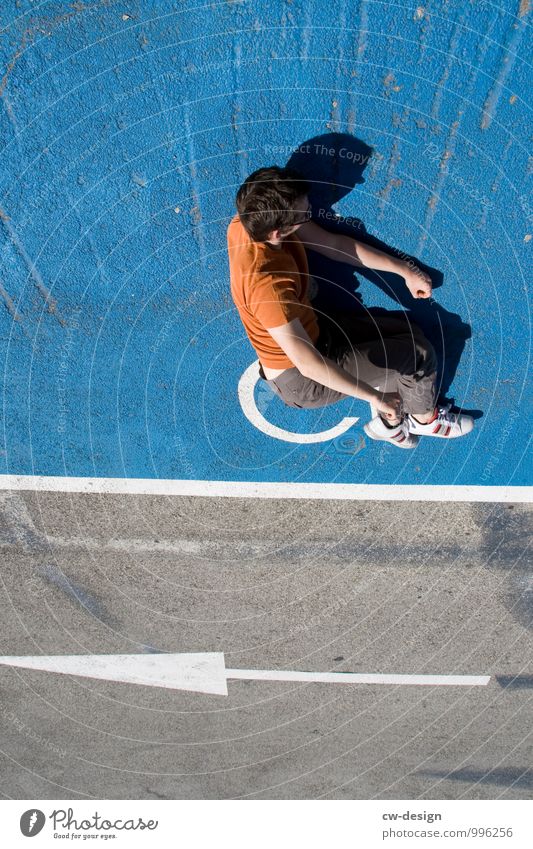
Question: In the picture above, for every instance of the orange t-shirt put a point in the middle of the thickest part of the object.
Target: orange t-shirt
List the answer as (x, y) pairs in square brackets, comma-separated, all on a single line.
[(269, 288)]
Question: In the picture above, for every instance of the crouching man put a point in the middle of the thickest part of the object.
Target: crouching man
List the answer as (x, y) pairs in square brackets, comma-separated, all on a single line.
[(311, 359)]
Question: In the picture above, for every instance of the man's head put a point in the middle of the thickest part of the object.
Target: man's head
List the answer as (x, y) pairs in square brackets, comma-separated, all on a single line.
[(272, 203)]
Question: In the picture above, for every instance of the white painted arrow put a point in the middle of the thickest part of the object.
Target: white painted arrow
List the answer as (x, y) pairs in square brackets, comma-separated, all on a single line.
[(205, 672), (200, 673)]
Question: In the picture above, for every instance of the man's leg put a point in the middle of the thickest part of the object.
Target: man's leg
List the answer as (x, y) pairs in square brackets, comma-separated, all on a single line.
[(393, 355), (403, 363), (409, 366), (295, 390), (299, 391)]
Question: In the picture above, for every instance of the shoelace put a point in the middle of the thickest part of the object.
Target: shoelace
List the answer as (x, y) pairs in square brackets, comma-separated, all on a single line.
[(444, 415)]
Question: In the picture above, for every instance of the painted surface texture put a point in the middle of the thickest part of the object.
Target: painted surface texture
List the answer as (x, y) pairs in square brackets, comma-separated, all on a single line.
[(126, 128)]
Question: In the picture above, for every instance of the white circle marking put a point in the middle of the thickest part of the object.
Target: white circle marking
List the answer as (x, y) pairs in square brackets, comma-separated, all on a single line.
[(246, 388)]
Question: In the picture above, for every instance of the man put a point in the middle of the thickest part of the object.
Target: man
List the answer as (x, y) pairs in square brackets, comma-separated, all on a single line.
[(311, 359)]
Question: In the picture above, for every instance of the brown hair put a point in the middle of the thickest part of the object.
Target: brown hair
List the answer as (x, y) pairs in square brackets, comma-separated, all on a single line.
[(266, 200)]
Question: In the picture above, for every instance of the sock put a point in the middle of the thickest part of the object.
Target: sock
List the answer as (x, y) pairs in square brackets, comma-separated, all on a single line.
[(390, 426), (432, 419)]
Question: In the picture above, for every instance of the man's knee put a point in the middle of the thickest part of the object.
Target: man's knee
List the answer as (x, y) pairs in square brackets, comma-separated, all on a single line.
[(403, 354)]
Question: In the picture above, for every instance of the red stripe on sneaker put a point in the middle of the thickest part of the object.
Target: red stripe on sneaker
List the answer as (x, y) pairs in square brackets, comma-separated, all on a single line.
[(400, 437), (448, 429), (436, 429)]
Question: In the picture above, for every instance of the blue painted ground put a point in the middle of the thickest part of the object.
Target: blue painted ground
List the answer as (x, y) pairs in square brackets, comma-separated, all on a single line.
[(126, 128)]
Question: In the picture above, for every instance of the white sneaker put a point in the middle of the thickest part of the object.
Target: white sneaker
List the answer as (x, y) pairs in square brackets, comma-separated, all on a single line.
[(398, 436), (446, 425)]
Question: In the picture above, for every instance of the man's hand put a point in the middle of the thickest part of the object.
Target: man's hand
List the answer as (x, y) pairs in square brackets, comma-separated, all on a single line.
[(418, 283), (389, 404)]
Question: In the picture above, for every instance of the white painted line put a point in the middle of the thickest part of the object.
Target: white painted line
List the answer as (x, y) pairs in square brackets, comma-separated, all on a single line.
[(205, 672), (360, 678), (245, 391), (200, 673), (262, 489)]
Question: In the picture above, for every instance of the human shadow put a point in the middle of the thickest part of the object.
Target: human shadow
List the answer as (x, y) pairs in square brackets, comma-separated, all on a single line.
[(333, 164)]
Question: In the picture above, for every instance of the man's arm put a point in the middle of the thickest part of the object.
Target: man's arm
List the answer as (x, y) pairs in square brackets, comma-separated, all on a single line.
[(345, 249), (298, 346)]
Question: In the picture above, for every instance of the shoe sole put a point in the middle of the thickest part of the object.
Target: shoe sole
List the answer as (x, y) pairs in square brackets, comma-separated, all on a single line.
[(374, 436)]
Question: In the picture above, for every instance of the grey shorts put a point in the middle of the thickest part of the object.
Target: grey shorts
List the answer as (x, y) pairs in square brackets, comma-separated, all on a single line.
[(389, 353)]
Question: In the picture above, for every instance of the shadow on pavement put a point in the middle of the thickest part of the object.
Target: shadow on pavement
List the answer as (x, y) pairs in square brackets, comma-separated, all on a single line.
[(334, 163)]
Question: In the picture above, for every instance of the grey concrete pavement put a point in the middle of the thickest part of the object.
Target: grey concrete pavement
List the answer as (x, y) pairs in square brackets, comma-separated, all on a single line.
[(305, 585)]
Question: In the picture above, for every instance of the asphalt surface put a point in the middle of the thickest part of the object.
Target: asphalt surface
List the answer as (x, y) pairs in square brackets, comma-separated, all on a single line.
[(398, 587)]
